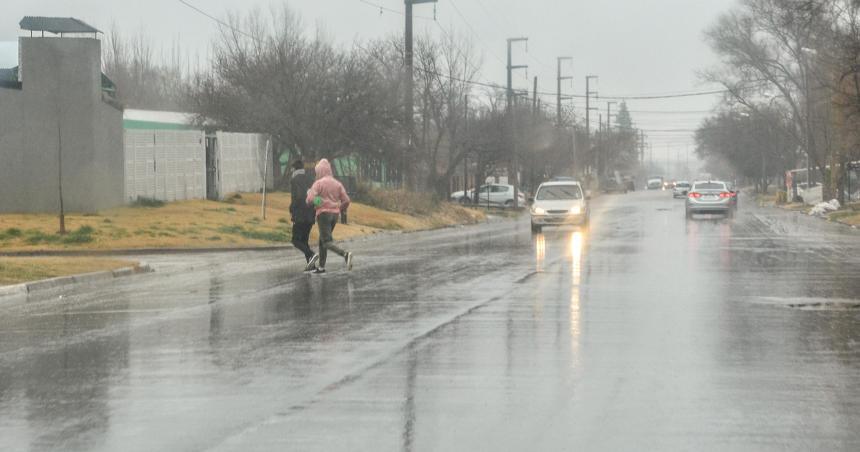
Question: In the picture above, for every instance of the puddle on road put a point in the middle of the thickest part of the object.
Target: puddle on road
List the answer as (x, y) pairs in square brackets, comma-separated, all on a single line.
[(809, 303)]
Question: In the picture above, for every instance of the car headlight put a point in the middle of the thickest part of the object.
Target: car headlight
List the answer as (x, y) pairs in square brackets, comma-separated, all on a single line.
[(576, 210), (538, 211)]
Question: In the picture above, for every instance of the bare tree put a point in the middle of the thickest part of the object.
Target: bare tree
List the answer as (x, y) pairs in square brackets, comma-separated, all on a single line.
[(142, 81)]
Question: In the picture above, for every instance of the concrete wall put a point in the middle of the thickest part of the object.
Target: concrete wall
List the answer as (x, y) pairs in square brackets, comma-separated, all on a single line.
[(168, 165), (11, 142), (60, 102)]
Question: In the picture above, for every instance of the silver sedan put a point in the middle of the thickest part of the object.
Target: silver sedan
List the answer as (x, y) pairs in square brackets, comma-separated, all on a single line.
[(710, 197)]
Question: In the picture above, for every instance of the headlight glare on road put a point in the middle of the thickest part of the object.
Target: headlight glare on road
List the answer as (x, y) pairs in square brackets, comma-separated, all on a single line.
[(538, 210), (575, 210)]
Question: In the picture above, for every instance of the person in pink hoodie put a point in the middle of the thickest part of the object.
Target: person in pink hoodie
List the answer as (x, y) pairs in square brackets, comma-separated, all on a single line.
[(329, 198)]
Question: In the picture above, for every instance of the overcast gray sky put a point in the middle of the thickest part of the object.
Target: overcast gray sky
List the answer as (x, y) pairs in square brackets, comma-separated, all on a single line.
[(635, 46)]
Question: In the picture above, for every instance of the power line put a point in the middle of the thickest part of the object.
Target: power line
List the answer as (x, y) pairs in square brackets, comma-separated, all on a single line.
[(219, 21), (474, 33), (475, 82), (392, 10)]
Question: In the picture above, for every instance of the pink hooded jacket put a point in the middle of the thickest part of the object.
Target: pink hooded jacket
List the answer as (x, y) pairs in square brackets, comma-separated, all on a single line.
[(334, 197)]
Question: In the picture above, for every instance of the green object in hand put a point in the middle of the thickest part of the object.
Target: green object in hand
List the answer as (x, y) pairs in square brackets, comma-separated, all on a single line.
[(317, 201)]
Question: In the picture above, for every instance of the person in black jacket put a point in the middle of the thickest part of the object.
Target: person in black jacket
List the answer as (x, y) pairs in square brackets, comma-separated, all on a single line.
[(303, 215)]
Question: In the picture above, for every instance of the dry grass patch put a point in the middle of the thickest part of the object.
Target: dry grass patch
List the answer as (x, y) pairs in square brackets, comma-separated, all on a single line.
[(850, 214), (14, 270), (203, 224)]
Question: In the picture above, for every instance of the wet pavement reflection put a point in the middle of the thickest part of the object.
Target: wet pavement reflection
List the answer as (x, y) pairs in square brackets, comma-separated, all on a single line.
[(644, 331)]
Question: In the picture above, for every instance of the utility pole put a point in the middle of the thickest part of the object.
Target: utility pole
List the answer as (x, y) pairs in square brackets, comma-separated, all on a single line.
[(408, 172), (558, 96), (650, 159), (588, 109), (509, 105), (466, 150), (607, 137), (534, 98)]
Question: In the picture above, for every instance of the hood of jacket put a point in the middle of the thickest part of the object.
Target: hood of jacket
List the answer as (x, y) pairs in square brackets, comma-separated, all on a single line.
[(323, 169)]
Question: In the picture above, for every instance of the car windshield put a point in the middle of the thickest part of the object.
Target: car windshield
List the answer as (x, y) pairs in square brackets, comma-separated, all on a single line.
[(682, 184), (711, 186), (559, 193)]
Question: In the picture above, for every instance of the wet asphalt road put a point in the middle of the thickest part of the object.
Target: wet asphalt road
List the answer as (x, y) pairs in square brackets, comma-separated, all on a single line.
[(645, 332)]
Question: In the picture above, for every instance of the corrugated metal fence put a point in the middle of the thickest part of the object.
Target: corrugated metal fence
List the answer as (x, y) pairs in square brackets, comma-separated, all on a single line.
[(241, 162), (167, 165)]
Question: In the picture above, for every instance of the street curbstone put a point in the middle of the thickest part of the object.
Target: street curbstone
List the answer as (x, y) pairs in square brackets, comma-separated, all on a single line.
[(17, 289), (51, 283), (64, 282), (93, 277), (120, 272)]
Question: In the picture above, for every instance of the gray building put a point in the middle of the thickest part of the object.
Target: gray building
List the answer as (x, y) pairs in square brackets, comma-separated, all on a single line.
[(59, 124)]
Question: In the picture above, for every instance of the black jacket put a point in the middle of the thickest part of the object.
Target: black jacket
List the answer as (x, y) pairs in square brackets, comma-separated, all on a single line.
[(300, 183)]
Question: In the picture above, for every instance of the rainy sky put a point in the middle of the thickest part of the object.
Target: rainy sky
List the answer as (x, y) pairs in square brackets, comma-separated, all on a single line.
[(636, 47)]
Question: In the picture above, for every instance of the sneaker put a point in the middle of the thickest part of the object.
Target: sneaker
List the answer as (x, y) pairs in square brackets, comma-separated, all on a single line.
[(312, 263), (349, 261), (318, 271)]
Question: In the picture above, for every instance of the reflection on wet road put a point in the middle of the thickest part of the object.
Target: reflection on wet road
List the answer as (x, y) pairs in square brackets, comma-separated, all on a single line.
[(644, 332)]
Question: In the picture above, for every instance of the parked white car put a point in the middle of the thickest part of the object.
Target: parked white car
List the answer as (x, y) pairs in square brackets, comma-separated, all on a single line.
[(559, 203), (494, 194)]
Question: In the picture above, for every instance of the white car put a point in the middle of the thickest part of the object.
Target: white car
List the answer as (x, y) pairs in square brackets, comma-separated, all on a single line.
[(681, 189), (494, 194), (559, 203)]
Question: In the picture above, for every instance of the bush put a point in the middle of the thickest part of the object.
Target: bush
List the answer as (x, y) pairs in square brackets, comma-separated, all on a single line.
[(10, 233), (84, 234), (401, 201), (233, 198), (256, 234), (147, 202)]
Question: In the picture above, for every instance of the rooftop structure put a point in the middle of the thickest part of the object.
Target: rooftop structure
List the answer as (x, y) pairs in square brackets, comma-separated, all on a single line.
[(56, 25)]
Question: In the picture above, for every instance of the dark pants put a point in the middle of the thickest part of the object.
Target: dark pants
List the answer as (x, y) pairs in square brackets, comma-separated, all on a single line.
[(326, 223), (301, 235)]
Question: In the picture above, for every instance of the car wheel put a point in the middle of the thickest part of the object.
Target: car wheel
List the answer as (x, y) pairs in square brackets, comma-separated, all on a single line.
[(464, 200), (536, 228), (509, 203)]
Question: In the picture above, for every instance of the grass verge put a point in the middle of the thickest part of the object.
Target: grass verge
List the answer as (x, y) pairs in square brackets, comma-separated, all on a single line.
[(849, 215), (236, 222), (14, 270)]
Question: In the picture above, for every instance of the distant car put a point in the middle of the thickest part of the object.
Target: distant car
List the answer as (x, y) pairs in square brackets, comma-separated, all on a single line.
[(629, 183), (610, 184), (681, 189), (559, 203), (710, 197), (655, 183), (493, 194), (463, 197)]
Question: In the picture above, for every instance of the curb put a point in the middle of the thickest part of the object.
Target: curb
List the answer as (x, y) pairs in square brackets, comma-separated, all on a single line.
[(62, 282), (804, 214), (141, 251)]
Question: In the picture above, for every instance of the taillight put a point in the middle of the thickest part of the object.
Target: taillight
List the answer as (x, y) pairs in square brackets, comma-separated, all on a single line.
[(726, 194), (694, 195)]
